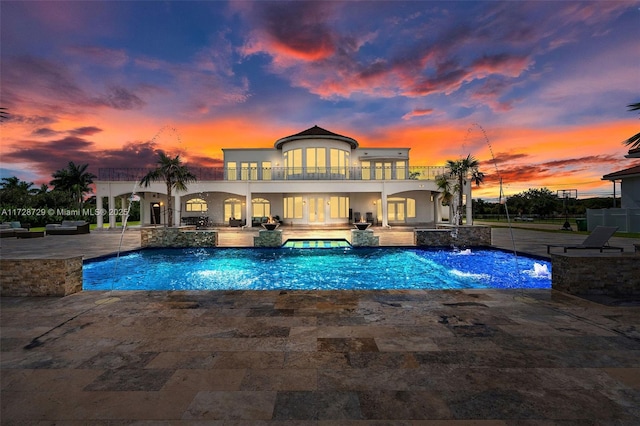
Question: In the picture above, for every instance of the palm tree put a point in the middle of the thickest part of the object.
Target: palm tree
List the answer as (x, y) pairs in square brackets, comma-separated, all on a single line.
[(633, 141), (74, 180), (173, 173), (463, 170), (444, 184), (15, 192)]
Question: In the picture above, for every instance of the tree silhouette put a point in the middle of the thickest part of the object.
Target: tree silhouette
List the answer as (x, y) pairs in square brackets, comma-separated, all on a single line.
[(633, 141), (174, 174), (462, 170), (74, 180)]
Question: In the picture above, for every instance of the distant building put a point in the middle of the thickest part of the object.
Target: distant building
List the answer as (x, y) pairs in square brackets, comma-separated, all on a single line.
[(627, 217), (315, 177)]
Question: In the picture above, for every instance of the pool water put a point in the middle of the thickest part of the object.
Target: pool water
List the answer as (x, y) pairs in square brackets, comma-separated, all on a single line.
[(314, 269)]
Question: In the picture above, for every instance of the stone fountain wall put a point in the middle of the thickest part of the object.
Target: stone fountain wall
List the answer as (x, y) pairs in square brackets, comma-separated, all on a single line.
[(268, 239), (364, 238), (186, 236), (449, 235)]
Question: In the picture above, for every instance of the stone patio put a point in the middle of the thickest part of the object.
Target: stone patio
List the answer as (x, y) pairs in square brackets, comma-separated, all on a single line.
[(475, 357)]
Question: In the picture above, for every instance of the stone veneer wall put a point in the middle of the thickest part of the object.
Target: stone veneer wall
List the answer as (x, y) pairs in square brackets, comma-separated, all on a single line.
[(448, 235), (178, 237), (268, 239), (41, 277), (364, 238), (597, 274)]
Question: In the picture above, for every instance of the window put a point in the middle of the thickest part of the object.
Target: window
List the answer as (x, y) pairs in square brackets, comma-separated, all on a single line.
[(339, 161), (196, 205), (398, 209), (266, 170), (383, 171), (411, 207), (260, 207), (293, 161), (316, 160), (232, 209), (232, 171), (249, 171), (401, 171), (339, 207), (292, 207), (366, 170)]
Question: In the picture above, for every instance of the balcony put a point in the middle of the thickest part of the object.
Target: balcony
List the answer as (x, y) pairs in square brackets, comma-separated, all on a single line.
[(285, 174)]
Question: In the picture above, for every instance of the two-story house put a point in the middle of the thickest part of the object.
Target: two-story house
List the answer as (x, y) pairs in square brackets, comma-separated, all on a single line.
[(315, 177)]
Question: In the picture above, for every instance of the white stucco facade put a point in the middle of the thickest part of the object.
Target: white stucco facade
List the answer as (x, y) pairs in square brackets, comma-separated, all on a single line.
[(315, 177)]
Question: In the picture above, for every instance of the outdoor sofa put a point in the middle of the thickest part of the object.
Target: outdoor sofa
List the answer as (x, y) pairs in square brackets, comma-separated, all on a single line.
[(67, 227), (12, 229), (233, 222)]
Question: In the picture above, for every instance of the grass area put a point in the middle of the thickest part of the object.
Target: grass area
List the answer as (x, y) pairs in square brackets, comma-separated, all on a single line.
[(94, 226), (531, 225)]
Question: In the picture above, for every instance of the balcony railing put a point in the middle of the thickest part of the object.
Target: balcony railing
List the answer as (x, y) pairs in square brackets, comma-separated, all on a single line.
[(283, 174)]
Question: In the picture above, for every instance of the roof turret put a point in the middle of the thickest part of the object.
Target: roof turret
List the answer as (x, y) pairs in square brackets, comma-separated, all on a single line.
[(316, 132)]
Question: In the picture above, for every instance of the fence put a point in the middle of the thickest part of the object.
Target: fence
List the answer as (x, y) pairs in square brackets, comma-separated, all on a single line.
[(627, 220)]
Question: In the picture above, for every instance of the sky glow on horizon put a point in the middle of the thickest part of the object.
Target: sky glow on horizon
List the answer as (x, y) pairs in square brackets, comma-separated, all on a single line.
[(536, 90)]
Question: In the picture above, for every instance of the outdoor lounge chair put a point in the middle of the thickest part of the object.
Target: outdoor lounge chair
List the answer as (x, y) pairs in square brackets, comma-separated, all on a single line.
[(598, 239), (67, 227)]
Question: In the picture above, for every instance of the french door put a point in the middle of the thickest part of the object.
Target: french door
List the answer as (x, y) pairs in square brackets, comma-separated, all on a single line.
[(316, 210)]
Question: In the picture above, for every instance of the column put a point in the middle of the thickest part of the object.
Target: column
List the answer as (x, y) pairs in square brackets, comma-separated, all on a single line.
[(437, 207), (99, 219), (469, 202), (123, 206), (111, 206), (383, 200), (248, 206), (177, 212)]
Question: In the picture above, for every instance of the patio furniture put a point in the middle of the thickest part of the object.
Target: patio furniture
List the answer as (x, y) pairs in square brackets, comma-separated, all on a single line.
[(67, 227), (369, 216), (12, 229), (598, 239), (236, 222), (33, 234), (357, 217), (259, 220)]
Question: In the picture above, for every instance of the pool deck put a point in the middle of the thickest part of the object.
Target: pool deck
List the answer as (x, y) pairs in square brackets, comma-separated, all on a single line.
[(474, 357)]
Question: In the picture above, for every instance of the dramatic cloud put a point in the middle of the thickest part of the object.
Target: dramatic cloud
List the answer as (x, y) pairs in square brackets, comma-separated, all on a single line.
[(44, 132), (291, 30), (85, 131), (417, 113)]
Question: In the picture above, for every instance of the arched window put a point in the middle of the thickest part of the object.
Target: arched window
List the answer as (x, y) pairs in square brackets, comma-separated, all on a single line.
[(232, 209), (196, 205), (261, 207)]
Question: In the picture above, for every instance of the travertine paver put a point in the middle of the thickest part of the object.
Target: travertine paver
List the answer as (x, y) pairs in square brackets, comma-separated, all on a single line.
[(335, 357)]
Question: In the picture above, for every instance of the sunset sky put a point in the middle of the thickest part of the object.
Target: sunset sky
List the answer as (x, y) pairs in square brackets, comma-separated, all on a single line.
[(541, 87)]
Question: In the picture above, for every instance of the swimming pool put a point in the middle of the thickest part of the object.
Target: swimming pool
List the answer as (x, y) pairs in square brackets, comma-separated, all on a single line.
[(314, 269)]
